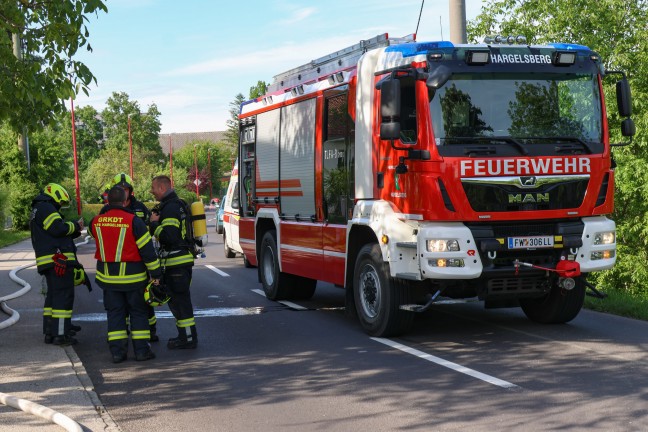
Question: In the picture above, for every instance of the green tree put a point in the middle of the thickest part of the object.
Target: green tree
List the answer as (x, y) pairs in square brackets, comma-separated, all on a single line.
[(258, 90), (618, 31), (33, 90), (89, 135), (145, 126), (232, 132)]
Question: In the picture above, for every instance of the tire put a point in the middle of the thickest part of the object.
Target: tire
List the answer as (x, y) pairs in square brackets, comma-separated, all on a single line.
[(219, 229), (276, 285), (378, 296), (557, 307), (229, 253)]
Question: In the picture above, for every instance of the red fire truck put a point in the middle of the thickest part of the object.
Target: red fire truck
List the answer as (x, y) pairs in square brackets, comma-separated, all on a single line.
[(420, 173)]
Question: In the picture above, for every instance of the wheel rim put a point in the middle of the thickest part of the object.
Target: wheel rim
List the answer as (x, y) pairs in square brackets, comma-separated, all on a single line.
[(268, 266), (370, 291)]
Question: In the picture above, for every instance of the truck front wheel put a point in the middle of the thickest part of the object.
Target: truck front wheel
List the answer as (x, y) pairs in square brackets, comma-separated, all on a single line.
[(378, 296), (557, 307), (276, 285)]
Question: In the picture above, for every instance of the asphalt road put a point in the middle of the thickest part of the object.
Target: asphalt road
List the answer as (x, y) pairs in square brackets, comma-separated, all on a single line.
[(262, 365)]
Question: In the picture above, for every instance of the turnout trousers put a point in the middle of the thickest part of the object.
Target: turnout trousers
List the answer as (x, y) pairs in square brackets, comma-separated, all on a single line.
[(177, 281), (118, 304), (59, 300)]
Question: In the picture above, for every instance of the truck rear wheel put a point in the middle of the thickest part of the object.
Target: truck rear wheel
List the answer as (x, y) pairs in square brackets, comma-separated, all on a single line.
[(557, 307), (276, 285), (378, 296)]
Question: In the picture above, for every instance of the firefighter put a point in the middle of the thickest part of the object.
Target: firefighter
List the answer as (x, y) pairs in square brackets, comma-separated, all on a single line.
[(53, 241), (141, 211), (125, 255), (169, 224)]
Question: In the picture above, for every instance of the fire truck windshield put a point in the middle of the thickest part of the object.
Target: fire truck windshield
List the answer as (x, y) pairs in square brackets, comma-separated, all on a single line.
[(526, 108)]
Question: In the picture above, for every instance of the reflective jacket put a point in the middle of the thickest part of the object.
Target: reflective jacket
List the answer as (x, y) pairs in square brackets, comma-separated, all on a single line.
[(171, 232), (125, 251), (50, 233)]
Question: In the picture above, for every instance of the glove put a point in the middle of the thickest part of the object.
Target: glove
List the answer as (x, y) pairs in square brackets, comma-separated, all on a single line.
[(60, 264)]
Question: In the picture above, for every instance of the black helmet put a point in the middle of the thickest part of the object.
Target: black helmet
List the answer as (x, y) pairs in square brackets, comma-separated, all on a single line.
[(155, 295)]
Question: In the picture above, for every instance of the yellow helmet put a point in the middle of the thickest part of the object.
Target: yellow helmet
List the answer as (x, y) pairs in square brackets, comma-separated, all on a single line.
[(123, 180), (79, 276), (155, 295), (58, 194)]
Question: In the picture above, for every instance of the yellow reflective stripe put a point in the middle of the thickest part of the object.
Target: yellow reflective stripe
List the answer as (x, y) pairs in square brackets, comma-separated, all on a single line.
[(139, 277), (143, 240), (141, 334), (49, 220), (46, 259), (171, 222), (153, 320), (122, 269), (186, 322), (153, 265), (72, 227), (59, 313), (117, 335), (183, 259), (100, 242), (47, 312), (157, 231), (120, 244)]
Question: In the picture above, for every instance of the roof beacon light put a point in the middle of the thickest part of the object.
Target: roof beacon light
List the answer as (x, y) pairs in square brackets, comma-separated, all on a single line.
[(520, 39), (477, 58), (562, 58)]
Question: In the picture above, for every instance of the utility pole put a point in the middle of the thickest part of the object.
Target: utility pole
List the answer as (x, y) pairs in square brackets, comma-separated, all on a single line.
[(458, 22), (23, 143)]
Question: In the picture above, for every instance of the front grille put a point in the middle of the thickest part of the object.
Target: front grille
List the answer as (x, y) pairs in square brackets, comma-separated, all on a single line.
[(514, 285), (493, 197)]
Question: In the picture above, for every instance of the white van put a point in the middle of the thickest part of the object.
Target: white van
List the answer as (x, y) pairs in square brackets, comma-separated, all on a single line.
[(231, 217)]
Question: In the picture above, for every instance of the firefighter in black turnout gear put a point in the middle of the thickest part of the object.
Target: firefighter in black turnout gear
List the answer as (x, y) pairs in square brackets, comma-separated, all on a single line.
[(53, 242), (169, 223), (141, 211), (126, 260)]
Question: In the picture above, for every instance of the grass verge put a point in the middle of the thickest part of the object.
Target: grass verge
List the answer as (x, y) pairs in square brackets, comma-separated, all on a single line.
[(620, 303), (9, 237)]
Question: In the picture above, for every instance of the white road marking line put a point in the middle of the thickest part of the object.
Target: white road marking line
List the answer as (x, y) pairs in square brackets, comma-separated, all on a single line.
[(289, 304), (454, 366), (214, 269), (292, 305)]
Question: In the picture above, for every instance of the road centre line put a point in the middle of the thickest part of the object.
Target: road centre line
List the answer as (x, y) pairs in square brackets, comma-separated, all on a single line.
[(445, 363), (214, 269), (289, 304)]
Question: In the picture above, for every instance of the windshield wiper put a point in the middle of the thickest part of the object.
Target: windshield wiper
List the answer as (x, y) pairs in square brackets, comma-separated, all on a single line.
[(491, 140), (569, 148)]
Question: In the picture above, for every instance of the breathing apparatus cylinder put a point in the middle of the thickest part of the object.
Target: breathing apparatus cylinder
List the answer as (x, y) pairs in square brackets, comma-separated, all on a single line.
[(199, 223)]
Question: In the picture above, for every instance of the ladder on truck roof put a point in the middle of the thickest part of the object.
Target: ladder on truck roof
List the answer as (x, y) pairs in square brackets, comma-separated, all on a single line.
[(333, 62)]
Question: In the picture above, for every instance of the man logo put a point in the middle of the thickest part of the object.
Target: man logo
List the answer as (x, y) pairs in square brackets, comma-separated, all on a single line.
[(528, 181), (528, 198)]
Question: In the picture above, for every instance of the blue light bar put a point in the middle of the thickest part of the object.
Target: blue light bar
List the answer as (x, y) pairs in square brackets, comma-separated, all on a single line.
[(568, 46), (412, 49)]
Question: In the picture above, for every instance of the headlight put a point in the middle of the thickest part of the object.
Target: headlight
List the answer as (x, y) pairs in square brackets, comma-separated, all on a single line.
[(606, 237), (599, 255), (442, 245)]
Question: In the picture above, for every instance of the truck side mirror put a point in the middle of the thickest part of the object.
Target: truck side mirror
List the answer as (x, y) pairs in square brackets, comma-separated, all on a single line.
[(628, 127), (438, 77), (390, 109), (624, 98)]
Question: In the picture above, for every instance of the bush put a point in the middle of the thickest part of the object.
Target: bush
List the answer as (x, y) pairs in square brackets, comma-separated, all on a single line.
[(20, 199)]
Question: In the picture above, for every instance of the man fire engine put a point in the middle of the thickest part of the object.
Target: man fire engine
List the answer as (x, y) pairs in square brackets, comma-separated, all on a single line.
[(413, 174)]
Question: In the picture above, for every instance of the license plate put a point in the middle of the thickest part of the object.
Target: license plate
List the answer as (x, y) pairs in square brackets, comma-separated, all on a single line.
[(531, 242)]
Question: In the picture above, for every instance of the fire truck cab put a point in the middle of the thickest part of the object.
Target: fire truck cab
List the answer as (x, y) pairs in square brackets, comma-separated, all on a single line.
[(414, 174)]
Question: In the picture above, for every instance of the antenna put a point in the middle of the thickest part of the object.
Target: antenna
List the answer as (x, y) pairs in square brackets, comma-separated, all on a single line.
[(420, 13), (441, 25)]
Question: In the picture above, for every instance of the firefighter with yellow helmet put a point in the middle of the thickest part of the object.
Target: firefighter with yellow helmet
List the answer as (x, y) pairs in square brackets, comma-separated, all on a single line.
[(126, 182), (126, 261), (53, 241)]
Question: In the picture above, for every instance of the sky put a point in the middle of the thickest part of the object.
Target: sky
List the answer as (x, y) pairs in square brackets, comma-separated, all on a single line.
[(191, 58)]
